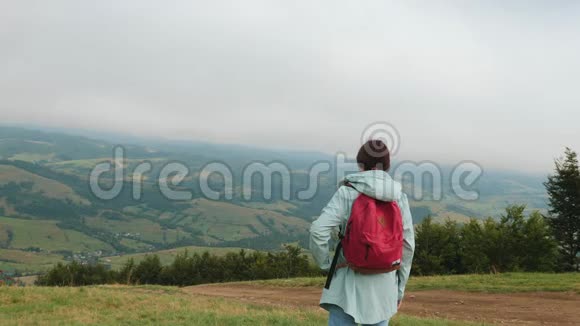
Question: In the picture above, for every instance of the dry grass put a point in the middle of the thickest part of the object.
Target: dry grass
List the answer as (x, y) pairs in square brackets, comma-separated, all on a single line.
[(498, 283), (153, 305), (115, 305)]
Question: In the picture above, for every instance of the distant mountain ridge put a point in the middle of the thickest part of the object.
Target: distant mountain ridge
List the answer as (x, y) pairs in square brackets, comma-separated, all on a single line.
[(43, 181)]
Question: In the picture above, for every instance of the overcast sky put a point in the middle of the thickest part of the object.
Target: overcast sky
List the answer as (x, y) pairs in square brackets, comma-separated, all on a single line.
[(496, 82)]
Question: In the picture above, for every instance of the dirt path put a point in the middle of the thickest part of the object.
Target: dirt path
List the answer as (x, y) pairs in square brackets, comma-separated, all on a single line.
[(508, 309)]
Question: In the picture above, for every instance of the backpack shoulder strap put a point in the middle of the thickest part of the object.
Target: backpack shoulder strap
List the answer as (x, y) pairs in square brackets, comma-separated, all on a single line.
[(348, 184), (334, 266)]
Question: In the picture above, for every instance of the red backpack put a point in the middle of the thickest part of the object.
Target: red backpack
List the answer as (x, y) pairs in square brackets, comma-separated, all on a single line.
[(373, 240)]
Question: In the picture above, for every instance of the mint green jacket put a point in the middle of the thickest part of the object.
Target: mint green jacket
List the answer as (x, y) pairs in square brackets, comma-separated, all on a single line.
[(369, 299)]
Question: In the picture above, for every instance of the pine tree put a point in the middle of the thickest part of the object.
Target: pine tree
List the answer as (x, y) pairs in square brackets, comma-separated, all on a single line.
[(127, 271), (512, 237), (429, 239), (564, 190), (541, 250)]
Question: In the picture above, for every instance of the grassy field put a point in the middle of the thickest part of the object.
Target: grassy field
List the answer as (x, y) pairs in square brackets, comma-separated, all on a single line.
[(498, 283), (147, 230), (233, 222), (81, 168), (47, 236), (167, 256), (161, 305), (279, 206), (122, 305), (23, 261), (32, 157), (50, 188)]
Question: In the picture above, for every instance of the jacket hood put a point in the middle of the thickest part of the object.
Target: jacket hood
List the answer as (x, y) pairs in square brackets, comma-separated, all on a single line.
[(376, 184)]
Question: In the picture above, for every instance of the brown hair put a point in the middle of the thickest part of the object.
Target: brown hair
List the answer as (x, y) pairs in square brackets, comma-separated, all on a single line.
[(374, 155)]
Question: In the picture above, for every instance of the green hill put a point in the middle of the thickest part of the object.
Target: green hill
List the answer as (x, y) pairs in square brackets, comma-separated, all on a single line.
[(46, 235), (46, 187), (27, 261), (167, 256), (47, 203)]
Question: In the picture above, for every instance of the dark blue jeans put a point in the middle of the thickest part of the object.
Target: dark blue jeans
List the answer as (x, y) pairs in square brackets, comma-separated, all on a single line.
[(338, 317)]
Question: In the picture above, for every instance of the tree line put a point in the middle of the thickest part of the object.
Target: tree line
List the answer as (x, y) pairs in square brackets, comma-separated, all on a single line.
[(187, 269), (515, 242)]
